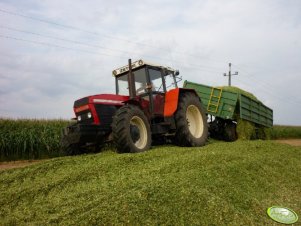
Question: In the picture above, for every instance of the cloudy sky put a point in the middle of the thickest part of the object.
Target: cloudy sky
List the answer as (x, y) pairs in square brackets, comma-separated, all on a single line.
[(53, 52)]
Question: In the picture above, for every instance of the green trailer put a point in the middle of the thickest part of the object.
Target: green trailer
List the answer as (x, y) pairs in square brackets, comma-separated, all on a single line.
[(228, 106)]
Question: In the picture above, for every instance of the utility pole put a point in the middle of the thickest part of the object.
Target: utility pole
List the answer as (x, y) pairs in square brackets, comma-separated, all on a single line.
[(230, 74)]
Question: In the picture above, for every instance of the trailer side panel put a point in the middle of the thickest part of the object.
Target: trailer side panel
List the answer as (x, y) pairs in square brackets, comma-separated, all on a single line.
[(255, 111)]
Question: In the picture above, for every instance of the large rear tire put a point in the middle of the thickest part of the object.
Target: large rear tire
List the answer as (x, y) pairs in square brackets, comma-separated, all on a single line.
[(191, 122), (131, 130)]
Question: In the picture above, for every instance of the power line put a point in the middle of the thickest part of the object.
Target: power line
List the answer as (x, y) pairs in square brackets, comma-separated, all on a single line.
[(251, 76), (73, 28), (271, 93), (52, 23), (267, 89), (96, 53), (75, 42), (82, 43), (87, 51), (61, 39), (106, 36), (52, 45), (101, 35)]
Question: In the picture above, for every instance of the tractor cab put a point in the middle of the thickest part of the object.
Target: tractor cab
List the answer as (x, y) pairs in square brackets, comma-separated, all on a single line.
[(146, 76), (149, 86)]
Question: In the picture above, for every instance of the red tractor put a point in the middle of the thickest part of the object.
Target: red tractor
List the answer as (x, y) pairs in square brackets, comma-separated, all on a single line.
[(148, 105)]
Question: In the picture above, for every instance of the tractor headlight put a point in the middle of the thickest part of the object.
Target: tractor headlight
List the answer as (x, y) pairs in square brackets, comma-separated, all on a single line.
[(79, 118), (89, 115)]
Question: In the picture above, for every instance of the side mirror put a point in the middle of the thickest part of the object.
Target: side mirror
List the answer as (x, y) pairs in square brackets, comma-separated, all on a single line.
[(177, 72)]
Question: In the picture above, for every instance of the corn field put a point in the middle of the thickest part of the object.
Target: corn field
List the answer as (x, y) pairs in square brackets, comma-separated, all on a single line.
[(30, 139), (37, 139)]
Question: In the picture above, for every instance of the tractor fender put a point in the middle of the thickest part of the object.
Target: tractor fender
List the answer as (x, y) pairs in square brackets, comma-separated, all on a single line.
[(141, 104), (133, 101), (172, 99)]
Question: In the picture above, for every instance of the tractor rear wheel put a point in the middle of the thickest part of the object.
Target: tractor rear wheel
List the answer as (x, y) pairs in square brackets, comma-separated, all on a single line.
[(131, 130), (191, 121)]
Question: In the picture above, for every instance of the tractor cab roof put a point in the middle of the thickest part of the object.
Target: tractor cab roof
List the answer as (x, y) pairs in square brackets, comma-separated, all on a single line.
[(141, 63)]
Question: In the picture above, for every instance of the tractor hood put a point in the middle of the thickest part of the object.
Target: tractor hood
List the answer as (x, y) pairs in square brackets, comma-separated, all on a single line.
[(98, 109), (107, 99)]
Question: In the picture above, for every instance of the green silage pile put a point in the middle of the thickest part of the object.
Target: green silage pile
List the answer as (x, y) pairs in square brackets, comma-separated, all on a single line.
[(234, 89), (247, 130)]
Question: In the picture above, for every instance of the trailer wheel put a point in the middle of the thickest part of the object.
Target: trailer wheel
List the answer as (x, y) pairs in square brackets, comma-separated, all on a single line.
[(131, 130), (230, 132), (191, 121)]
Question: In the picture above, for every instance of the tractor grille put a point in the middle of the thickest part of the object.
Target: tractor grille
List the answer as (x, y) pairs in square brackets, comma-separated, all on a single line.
[(105, 114)]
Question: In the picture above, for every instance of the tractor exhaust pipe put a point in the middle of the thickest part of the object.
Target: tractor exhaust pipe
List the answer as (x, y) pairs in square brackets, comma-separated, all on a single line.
[(131, 81)]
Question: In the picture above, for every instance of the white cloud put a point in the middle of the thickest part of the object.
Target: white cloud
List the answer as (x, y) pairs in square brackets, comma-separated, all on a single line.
[(260, 38)]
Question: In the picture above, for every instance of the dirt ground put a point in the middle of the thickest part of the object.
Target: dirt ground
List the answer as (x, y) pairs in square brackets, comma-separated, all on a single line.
[(19, 164), (293, 142)]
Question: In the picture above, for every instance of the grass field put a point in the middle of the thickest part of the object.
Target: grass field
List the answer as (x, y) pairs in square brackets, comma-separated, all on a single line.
[(218, 184), (285, 132)]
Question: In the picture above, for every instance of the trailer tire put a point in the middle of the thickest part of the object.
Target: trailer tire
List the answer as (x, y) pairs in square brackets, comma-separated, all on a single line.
[(191, 121), (230, 132), (131, 130)]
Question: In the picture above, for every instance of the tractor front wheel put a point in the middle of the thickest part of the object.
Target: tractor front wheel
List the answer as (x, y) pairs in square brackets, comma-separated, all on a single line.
[(72, 149), (191, 121), (131, 130)]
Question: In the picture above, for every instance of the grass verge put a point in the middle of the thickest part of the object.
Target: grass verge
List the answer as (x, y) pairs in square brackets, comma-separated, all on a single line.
[(218, 184), (285, 132)]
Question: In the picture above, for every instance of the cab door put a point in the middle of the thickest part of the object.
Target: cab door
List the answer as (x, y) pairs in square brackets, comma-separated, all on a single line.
[(157, 91)]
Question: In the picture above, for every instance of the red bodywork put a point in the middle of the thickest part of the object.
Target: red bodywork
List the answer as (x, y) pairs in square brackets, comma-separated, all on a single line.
[(106, 99), (170, 103)]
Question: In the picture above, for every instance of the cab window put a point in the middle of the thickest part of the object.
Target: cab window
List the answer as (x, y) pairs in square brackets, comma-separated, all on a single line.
[(156, 80), (170, 82), (140, 83)]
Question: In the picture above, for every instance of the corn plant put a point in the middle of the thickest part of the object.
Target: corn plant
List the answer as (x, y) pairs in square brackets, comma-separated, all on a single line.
[(30, 139)]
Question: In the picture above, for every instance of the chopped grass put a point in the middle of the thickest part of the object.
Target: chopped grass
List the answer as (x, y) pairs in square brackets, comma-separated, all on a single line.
[(234, 89), (218, 184), (245, 130)]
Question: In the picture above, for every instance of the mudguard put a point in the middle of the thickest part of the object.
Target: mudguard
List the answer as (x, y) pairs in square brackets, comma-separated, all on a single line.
[(172, 99)]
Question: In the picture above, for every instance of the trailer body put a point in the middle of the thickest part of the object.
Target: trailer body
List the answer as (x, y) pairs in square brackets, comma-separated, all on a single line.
[(230, 105)]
